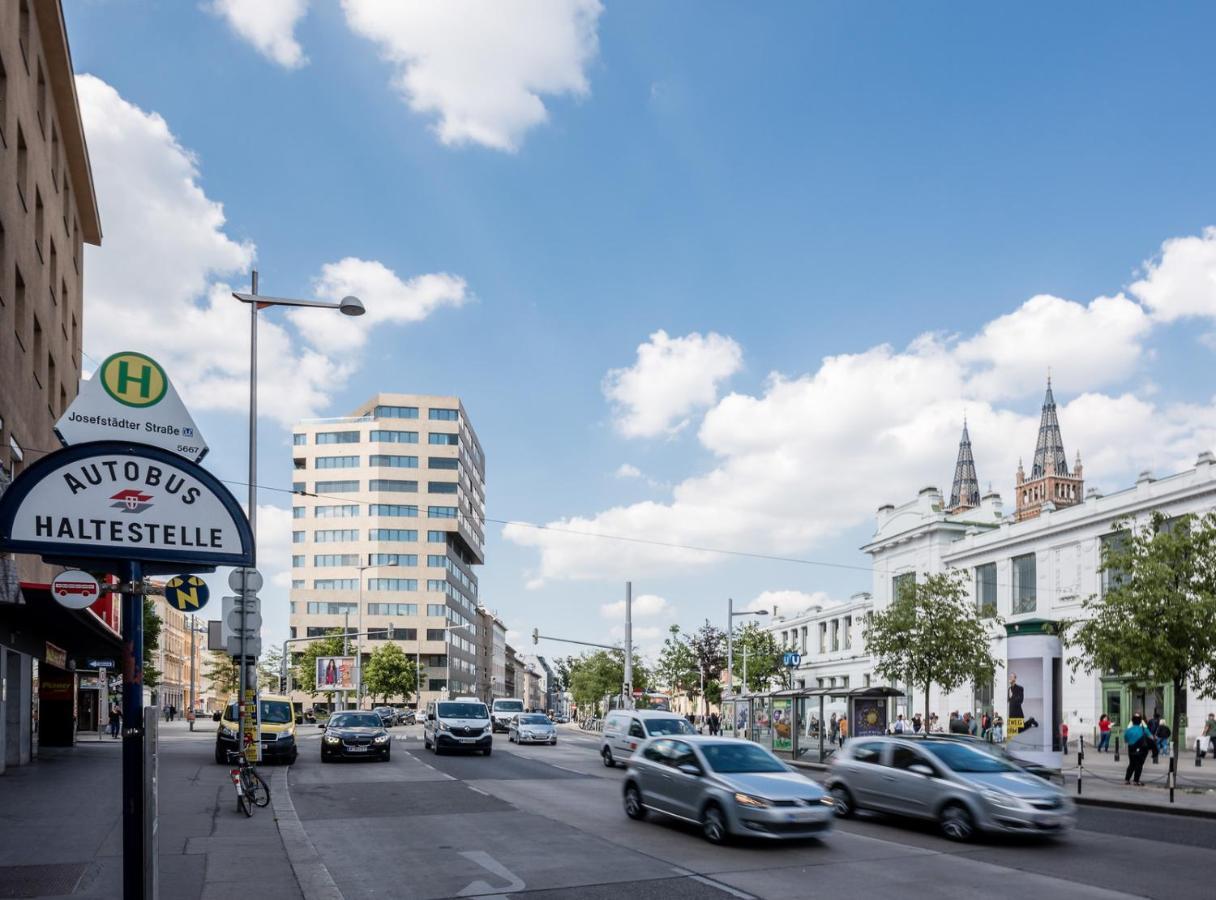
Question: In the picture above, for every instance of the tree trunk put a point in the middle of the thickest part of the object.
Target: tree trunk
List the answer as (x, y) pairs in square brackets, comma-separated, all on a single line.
[(927, 684)]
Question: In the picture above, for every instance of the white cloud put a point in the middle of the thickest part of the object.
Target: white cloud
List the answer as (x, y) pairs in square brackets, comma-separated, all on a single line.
[(788, 602), (625, 470), (645, 606), (269, 25), (813, 455), (1182, 280), (672, 378), (157, 283), (482, 68)]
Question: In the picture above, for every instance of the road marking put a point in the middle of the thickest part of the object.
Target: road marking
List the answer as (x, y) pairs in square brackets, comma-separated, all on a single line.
[(311, 874), (485, 889), (566, 769), (725, 888), (478, 790)]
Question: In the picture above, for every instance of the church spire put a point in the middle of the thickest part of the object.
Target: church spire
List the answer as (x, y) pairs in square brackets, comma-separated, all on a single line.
[(965, 494), (1049, 458)]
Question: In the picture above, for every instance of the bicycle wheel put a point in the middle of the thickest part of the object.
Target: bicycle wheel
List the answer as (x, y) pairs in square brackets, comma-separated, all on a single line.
[(243, 804), (260, 791), (249, 790)]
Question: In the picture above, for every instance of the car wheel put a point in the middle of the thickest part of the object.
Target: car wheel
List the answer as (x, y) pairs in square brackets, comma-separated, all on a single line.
[(487, 750), (295, 754), (634, 807), (713, 824), (386, 755), (608, 760), (324, 757), (842, 800), (957, 823), (220, 756)]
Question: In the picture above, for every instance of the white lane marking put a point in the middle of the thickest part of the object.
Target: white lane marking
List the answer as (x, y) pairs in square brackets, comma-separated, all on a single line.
[(478, 790), (725, 888), (311, 874), (566, 769), (482, 888)]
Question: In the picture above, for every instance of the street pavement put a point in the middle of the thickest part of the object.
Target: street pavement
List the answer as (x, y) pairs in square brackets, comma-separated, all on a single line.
[(538, 821)]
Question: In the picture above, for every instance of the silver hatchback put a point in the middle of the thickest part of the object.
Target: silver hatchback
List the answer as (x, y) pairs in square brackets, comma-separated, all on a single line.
[(963, 789), (725, 786)]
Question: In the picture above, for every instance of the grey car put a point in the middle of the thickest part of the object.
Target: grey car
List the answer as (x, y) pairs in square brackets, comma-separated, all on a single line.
[(531, 728), (725, 786), (963, 789)]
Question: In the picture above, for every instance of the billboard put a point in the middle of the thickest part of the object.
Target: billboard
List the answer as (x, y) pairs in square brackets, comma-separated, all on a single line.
[(783, 723), (336, 673)]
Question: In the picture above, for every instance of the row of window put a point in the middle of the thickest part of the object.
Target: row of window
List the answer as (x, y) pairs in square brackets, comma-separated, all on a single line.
[(379, 460), (379, 510), (380, 435), (834, 636), (382, 485)]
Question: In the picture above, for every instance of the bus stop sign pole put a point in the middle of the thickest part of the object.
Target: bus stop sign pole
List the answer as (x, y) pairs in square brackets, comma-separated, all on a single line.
[(135, 849)]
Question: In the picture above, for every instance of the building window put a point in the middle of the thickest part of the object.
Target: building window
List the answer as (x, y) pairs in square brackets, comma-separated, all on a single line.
[(392, 609), (392, 559), (441, 512), (901, 583), (835, 635), (435, 634), (440, 462), (392, 584), (297, 584), (335, 535), (395, 412), (443, 415), (804, 629), (393, 511), (392, 485), (337, 437), (385, 461), (441, 487), (848, 632), (437, 537), (299, 440), (392, 534), (404, 634), (335, 584), (443, 440), (394, 437), (336, 462), (1114, 542), (985, 590), (298, 512), (436, 684), (330, 560), (297, 537), (1024, 575), (329, 608), (337, 487), (823, 637), (343, 511), (436, 610), (297, 562)]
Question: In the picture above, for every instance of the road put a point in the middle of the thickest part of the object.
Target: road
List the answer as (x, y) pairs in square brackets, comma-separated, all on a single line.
[(547, 822)]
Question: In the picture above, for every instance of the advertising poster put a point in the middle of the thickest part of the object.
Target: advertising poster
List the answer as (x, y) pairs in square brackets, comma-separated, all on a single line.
[(783, 723), (761, 722), (1025, 700), (869, 717), (742, 710), (336, 673)]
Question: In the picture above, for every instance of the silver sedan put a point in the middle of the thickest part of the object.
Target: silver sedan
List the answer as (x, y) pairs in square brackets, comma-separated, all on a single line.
[(727, 786), (531, 728)]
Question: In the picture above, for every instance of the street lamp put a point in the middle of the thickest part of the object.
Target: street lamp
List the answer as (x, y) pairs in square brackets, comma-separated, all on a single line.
[(348, 306), (359, 648), (730, 631)]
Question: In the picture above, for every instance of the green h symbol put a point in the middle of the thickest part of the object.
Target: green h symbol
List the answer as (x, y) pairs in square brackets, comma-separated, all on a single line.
[(144, 379)]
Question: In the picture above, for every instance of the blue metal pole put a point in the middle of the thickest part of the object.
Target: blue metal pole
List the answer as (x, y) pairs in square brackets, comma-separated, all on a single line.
[(133, 762)]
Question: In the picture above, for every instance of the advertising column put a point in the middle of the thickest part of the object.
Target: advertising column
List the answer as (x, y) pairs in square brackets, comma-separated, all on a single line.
[(1032, 718)]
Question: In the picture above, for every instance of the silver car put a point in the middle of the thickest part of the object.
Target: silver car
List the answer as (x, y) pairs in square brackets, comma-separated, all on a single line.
[(531, 728), (963, 789), (726, 786)]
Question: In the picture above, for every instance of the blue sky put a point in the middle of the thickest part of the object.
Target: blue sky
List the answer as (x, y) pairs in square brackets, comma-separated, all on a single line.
[(795, 195)]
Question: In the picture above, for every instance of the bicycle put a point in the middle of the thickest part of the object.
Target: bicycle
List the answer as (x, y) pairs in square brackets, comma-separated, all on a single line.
[(251, 790)]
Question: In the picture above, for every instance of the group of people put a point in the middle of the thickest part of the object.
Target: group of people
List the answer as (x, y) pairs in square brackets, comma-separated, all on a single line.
[(989, 726)]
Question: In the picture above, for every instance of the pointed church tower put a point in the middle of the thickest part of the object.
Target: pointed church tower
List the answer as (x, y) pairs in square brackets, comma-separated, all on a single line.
[(966, 491), (1050, 486)]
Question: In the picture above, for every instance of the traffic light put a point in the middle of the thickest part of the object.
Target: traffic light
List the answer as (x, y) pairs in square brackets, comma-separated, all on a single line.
[(535, 635)]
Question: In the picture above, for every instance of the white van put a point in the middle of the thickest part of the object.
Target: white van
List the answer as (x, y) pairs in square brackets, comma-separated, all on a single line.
[(503, 711), (460, 724), (624, 729)]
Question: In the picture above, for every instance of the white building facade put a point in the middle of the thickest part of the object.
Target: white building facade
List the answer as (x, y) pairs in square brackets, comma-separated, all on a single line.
[(828, 639)]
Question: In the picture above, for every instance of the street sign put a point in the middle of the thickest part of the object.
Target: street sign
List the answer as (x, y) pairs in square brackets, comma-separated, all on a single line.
[(791, 660), (75, 589), (130, 398), (108, 503), (245, 580), (188, 593), (232, 608), (99, 663)]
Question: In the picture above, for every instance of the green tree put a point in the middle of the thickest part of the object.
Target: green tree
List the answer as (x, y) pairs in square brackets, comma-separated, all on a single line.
[(222, 672), (763, 657), (932, 634), (600, 674), (1156, 622), (270, 669), (390, 673), (152, 629), (676, 667), (304, 672)]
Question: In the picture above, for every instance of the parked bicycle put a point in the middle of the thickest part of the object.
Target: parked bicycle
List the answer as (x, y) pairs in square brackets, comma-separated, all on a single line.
[(251, 790)]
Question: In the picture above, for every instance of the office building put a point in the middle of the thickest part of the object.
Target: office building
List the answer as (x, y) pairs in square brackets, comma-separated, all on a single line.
[(388, 529)]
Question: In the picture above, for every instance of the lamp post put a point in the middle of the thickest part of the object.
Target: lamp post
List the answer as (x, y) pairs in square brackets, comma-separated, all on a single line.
[(348, 306), (730, 632), (359, 649)]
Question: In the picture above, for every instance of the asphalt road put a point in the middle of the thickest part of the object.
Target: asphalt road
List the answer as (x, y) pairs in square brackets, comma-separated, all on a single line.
[(547, 822)]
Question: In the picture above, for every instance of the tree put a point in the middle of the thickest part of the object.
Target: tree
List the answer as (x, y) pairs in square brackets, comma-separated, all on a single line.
[(676, 668), (222, 672), (305, 670), (600, 674), (932, 634), (152, 628), (708, 645), (763, 657), (270, 670), (1156, 622), (390, 673)]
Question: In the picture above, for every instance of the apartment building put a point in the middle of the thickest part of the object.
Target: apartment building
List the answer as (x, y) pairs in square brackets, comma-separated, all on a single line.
[(828, 638), (388, 529), (173, 659)]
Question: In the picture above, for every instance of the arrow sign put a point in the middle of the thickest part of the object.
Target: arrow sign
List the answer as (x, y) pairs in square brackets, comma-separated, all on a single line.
[(188, 593)]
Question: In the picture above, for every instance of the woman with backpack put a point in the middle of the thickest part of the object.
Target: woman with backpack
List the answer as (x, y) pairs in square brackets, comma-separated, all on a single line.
[(1139, 742)]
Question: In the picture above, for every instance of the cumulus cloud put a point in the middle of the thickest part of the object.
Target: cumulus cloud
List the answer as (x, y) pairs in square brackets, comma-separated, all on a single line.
[(625, 470), (672, 378), (787, 602), (161, 283), (482, 68), (269, 25), (814, 454), (1181, 281), (645, 606)]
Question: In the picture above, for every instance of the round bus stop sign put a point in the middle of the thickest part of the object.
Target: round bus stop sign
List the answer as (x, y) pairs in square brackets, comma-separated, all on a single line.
[(75, 589)]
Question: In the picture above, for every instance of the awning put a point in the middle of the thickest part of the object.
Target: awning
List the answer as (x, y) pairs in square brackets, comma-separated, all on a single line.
[(78, 631)]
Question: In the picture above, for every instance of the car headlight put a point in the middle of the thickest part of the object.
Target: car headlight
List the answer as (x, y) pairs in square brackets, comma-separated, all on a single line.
[(227, 732), (443, 726), (749, 800), (284, 736), (827, 801), (380, 738), (1006, 801), (332, 739)]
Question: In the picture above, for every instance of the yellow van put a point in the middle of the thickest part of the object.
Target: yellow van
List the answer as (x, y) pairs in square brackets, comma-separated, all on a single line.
[(278, 730)]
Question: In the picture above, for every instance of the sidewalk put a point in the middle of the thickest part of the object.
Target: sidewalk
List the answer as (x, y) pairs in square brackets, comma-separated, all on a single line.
[(61, 826), (1102, 783)]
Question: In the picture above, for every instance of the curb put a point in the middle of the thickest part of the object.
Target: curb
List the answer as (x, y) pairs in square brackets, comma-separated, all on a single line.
[(1185, 812)]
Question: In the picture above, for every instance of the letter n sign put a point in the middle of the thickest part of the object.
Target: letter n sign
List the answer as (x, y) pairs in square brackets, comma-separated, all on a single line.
[(133, 379)]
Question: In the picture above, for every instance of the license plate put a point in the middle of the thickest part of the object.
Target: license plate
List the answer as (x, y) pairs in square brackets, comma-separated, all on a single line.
[(357, 749), (466, 740)]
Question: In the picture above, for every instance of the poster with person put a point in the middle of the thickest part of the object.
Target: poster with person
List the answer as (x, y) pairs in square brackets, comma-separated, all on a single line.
[(1025, 696), (336, 673)]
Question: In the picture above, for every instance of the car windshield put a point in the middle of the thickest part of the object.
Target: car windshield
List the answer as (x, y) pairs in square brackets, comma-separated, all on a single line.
[(354, 720), (508, 706), (668, 726), (462, 710), (533, 720), (961, 758), (274, 712), (739, 758)]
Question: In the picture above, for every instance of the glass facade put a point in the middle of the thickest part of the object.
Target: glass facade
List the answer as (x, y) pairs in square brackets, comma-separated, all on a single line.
[(394, 437)]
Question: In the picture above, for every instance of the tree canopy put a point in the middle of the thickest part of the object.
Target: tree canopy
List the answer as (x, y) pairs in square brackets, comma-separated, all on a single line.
[(596, 675), (305, 669), (763, 657), (220, 669), (390, 673)]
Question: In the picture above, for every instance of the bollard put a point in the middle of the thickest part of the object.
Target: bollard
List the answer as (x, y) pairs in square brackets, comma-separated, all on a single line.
[(1116, 748), (1173, 776), (1198, 755)]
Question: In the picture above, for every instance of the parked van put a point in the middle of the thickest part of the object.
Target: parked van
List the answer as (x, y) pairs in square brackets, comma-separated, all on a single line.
[(278, 730), (463, 723), (624, 729)]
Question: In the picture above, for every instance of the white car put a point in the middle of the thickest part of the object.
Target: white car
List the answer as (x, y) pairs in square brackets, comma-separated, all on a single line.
[(462, 724), (532, 728), (625, 729)]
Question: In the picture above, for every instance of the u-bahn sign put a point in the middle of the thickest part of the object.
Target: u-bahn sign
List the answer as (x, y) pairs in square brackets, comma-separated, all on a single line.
[(114, 501)]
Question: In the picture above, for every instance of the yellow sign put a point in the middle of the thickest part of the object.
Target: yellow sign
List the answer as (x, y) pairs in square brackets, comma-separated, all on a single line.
[(188, 593), (133, 379)]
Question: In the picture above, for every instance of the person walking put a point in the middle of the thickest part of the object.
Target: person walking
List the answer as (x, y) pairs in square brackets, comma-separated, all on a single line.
[(715, 724), (115, 719), (1064, 737), (1163, 738), (935, 724), (900, 725), (1209, 731), (834, 728), (844, 729), (1139, 741), (998, 729), (917, 724), (1104, 734)]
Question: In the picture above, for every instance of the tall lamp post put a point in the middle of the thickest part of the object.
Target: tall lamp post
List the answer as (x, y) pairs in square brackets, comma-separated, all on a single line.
[(730, 633), (348, 306), (359, 648)]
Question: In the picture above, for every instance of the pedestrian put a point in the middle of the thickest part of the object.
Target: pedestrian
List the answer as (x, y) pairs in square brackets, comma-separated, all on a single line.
[(900, 725), (1104, 734), (1209, 731), (998, 729), (115, 719), (1153, 724), (172, 711), (917, 725), (1163, 738), (935, 724), (1139, 741), (834, 728), (1063, 737), (715, 724), (844, 729)]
